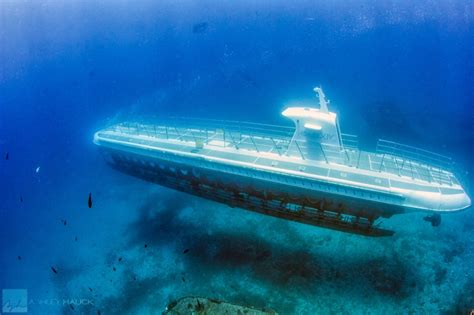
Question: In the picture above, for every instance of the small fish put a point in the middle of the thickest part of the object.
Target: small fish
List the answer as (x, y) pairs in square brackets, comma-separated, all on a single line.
[(146, 245), (21, 198), (90, 289), (114, 269), (186, 251), (134, 278), (72, 307), (182, 278), (38, 169), (54, 270), (248, 78), (75, 239), (120, 259), (200, 27), (7, 156), (89, 201), (65, 222), (98, 312), (19, 257)]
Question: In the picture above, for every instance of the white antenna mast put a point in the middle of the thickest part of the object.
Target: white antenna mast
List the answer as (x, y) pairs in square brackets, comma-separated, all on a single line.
[(323, 103)]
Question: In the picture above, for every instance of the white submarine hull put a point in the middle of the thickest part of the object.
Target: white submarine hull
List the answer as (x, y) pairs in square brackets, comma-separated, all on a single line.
[(301, 177)]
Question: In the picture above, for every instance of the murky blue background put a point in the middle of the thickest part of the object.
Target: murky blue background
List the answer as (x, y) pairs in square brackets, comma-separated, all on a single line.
[(395, 70)]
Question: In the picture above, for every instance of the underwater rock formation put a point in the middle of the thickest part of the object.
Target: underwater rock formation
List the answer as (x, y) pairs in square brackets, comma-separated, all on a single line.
[(201, 305)]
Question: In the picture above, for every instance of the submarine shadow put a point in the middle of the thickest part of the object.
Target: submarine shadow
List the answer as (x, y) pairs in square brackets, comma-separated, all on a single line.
[(297, 268), (300, 271)]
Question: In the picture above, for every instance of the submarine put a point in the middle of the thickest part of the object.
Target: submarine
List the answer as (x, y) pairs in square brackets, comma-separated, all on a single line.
[(310, 173)]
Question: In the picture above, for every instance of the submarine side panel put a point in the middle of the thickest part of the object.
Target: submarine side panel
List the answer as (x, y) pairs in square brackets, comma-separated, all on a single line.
[(262, 184)]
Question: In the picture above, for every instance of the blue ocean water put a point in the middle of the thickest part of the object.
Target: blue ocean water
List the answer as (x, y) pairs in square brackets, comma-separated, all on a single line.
[(394, 70)]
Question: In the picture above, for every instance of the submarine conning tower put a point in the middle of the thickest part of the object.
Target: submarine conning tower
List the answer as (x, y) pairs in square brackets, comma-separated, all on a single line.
[(316, 130)]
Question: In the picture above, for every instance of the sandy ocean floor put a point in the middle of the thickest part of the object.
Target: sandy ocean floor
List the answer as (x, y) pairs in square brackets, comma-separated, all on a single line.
[(141, 246)]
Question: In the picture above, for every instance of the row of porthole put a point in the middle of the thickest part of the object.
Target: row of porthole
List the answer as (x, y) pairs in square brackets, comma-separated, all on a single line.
[(264, 176), (301, 183), (151, 164)]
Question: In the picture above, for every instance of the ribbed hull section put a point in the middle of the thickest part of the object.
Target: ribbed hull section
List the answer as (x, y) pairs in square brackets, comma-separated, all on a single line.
[(269, 198)]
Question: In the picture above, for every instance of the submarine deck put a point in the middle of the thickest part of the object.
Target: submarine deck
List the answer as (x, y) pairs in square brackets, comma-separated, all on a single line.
[(267, 146)]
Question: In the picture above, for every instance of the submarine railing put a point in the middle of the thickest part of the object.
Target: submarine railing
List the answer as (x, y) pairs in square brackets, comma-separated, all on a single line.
[(330, 154), (267, 138), (436, 164)]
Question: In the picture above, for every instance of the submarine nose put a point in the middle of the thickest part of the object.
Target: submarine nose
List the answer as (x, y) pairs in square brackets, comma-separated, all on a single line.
[(467, 201), (455, 202)]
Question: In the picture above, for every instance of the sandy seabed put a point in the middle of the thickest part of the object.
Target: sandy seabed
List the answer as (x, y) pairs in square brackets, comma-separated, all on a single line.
[(142, 246)]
